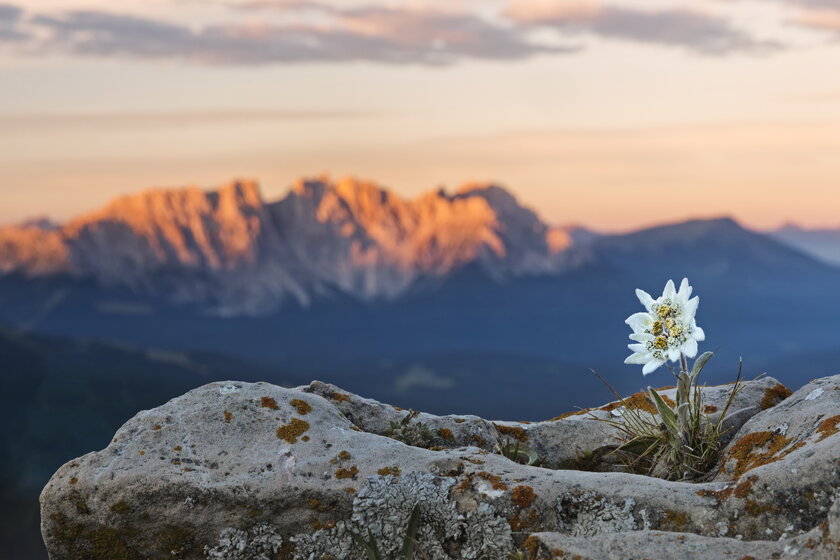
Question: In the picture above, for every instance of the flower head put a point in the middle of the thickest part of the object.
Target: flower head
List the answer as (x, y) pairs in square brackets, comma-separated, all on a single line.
[(666, 328)]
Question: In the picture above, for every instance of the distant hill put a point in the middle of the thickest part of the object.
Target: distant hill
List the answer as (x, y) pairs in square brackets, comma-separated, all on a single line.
[(822, 244), (62, 398)]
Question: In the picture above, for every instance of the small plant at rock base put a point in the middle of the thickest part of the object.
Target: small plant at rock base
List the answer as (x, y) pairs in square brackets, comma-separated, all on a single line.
[(411, 433), (409, 545), (517, 452), (682, 441)]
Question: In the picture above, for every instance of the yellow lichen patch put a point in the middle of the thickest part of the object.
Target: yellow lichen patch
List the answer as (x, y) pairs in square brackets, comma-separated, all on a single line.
[(177, 448), (74, 480), (268, 402), (531, 546), (459, 420), (293, 430), (389, 471), (828, 427), (516, 432), (474, 461), (121, 507), (340, 397), (347, 473), (755, 509), (446, 433), (397, 408), (304, 438), (350, 490), (303, 408), (142, 452), (523, 496), (344, 455), (228, 417), (156, 427), (674, 521), (774, 395), (519, 523), (494, 480), (478, 440)]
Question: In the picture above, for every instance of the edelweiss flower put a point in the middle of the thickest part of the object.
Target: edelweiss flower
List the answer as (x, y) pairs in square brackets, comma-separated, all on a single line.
[(666, 329)]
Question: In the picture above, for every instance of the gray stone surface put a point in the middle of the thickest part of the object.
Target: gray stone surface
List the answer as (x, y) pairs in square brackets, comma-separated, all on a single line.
[(247, 471)]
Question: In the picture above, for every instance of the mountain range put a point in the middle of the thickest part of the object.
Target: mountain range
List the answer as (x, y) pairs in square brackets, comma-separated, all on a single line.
[(234, 253)]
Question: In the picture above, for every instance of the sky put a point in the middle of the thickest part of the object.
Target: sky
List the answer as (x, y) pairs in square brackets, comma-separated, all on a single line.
[(614, 114)]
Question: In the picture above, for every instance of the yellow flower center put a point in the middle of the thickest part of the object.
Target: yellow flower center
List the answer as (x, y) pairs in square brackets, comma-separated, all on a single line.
[(664, 311), (661, 343), (657, 328)]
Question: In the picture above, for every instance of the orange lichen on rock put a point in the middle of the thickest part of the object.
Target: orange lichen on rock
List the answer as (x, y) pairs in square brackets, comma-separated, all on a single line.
[(567, 414), (347, 473), (638, 401), (774, 395), (516, 432), (303, 408), (828, 427), (293, 430), (494, 480), (446, 433), (228, 417), (344, 455), (268, 402), (74, 480), (389, 471), (523, 496), (710, 408), (757, 449), (743, 489), (340, 397), (156, 427)]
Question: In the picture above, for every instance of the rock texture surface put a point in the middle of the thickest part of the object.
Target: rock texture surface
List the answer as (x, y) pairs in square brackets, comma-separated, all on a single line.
[(255, 471)]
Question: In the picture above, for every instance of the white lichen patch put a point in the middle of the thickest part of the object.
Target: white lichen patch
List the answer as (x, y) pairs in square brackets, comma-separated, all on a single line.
[(814, 394), (488, 535), (381, 512), (228, 389), (590, 514), (260, 543)]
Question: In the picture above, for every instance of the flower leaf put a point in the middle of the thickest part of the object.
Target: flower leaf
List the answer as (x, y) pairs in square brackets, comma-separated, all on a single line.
[(669, 418), (700, 363)]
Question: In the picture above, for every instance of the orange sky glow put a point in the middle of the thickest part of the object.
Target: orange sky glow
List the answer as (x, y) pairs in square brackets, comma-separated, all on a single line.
[(582, 108)]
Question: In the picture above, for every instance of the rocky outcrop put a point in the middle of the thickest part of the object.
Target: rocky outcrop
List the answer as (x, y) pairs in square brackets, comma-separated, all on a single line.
[(251, 471)]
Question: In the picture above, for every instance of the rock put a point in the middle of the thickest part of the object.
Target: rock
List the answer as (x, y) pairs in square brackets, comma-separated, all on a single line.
[(250, 471)]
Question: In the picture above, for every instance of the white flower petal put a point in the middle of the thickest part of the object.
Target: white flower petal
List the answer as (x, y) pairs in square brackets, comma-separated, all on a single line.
[(685, 290), (637, 359), (639, 321), (691, 306), (641, 337), (673, 354), (651, 366), (698, 334), (689, 348), (640, 348), (669, 291), (645, 298)]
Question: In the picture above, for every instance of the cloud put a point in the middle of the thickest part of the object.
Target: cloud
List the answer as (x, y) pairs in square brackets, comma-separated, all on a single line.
[(692, 30), (40, 122), (386, 35)]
